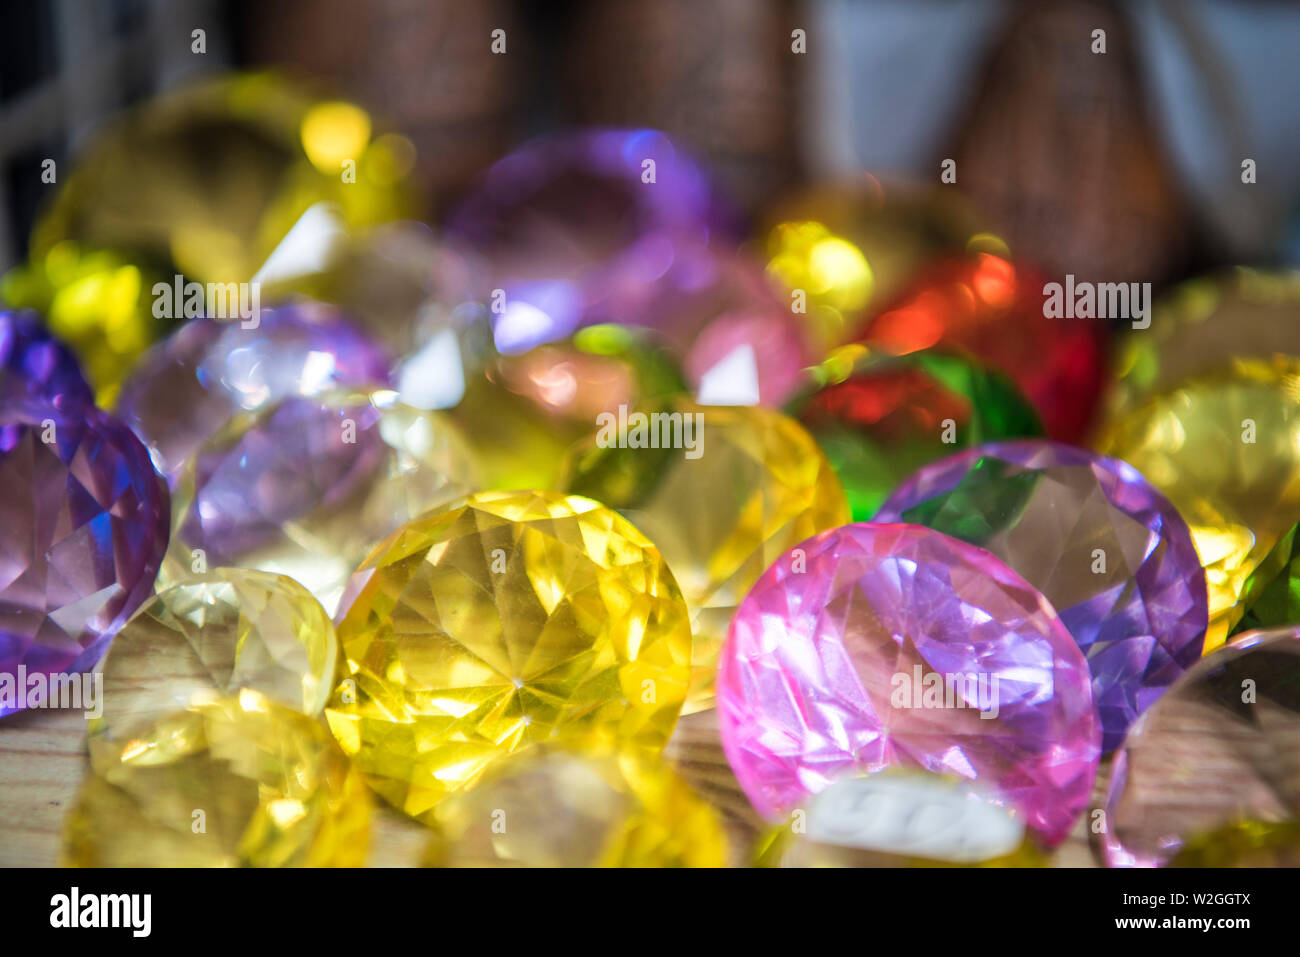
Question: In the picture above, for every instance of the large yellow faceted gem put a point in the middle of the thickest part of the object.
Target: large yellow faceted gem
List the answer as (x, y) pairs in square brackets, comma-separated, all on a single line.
[(748, 485), (555, 807), (1225, 449), (230, 782), (228, 630), (505, 619)]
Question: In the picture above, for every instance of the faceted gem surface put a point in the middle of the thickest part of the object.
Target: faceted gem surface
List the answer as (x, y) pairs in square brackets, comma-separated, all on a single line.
[(35, 365), (1103, 546), (84, 519), (191, 384), (1270, 597), (307, 486), (993, 309), (900, 818), (1221, 747), (500, 621), (756, 485), (873, 646), (228, 630), (273, 788), (555, 807), (1225, 449), (878, 418), (574, 227), (1242, 313)]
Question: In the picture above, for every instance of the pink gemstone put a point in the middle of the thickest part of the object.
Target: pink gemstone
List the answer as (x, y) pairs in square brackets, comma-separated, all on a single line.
[(871, 646)]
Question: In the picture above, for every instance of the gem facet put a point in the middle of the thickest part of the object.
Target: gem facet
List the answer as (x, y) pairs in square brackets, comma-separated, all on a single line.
[(1220, 747), (871, 646), (1105, 548), (226, 631), (192, 383), (35, 365), (1270, 597), (84, 519), (878, 418), (500, 621), (993, 309), (272, 786), (565, 808), (755, 486), (1225, 449), (306, 486)]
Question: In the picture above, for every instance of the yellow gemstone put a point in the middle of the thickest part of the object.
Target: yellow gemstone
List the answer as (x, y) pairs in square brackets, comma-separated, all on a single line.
[(228, 630), (503, 620), (306, 486), (755, 486), (235, 781), (269, 152), (1244, 843), (555, 807), (1225, 449), (1245, 313), (900, 819)]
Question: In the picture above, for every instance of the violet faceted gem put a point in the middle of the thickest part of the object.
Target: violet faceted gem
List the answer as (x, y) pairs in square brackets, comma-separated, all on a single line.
[(573, 229), (187, 387), (83, 529), (1110, 553), (298, 455), (34, 364), (871, 646)]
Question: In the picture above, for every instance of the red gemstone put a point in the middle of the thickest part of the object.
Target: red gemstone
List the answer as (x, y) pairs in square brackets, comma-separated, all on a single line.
[(993, 309)]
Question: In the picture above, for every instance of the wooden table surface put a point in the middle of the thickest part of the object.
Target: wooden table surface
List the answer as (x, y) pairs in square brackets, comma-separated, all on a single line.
[(43, 759)]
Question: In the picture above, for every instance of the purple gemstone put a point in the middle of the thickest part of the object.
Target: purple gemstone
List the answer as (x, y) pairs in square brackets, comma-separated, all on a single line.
[(574, 234), (33, 364), (294, 457), (872, 646), (188, 386), (84, 520), (1108, 551)]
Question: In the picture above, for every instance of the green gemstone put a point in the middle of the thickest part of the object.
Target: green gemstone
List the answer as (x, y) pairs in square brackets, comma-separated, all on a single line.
[(880, 417), (1271, 596)]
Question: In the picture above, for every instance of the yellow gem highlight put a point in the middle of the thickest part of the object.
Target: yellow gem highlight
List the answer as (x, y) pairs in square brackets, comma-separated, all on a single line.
[(233, 782), (225, 632), (1225, 449), (500, 621), (553, 807), (758, 487)]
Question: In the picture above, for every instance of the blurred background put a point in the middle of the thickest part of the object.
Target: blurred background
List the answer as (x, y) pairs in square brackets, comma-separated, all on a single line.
[(1185, 91)]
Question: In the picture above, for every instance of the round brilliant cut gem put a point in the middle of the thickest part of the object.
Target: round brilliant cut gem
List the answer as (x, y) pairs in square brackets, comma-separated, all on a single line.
[(873, 646)]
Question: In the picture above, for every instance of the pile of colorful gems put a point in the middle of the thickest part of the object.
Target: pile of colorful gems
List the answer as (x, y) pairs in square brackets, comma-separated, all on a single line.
[(602, 533)]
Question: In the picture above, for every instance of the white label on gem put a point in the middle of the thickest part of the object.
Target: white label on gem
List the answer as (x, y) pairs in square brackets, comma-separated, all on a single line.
[(913, 815)]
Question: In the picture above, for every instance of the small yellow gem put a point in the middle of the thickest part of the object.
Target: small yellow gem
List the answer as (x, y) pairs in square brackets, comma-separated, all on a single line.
[(1225, 449), (502, 620), (553, 807), (758, 486), (236, 781), (228, 630)]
